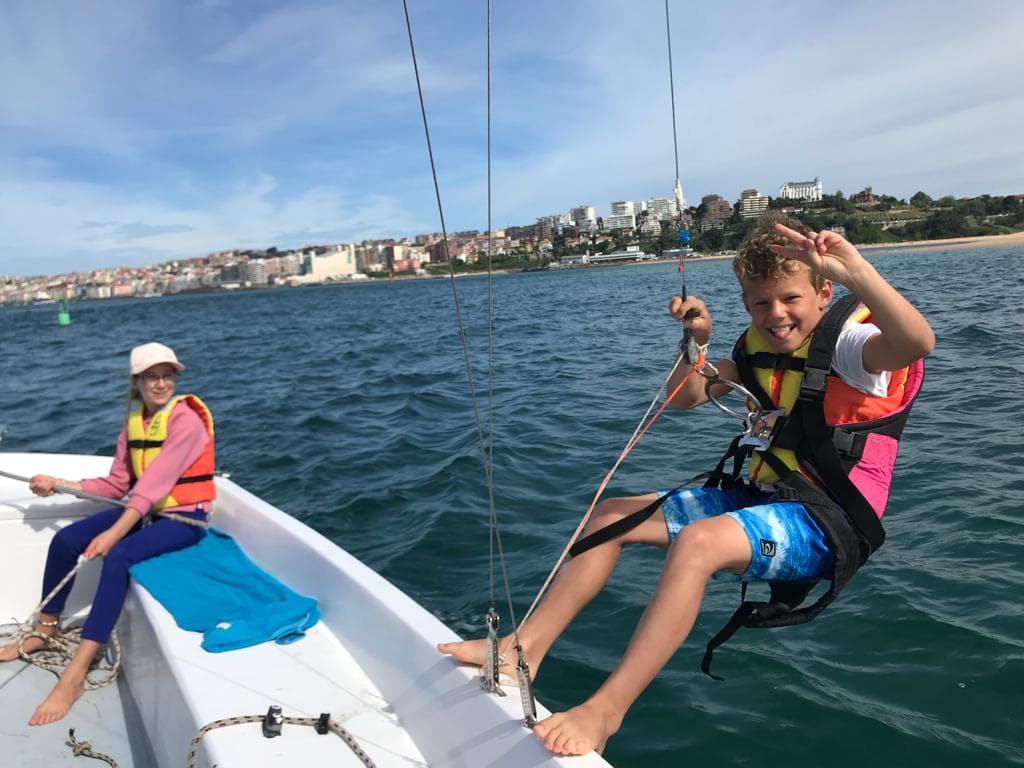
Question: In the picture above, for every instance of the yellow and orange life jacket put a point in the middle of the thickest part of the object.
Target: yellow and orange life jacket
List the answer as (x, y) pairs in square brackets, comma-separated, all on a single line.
[(196, 483)]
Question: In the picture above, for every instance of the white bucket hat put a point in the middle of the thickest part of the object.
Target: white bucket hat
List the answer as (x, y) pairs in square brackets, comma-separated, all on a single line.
[(147, 355)]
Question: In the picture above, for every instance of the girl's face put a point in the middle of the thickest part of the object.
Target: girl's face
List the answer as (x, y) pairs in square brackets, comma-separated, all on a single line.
[(156, 385)]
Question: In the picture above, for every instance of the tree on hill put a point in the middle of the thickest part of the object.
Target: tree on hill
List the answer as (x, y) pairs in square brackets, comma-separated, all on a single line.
[(920, 200)]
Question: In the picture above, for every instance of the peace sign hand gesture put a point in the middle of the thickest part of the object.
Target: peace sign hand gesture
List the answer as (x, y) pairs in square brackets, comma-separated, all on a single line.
[(827, 253)]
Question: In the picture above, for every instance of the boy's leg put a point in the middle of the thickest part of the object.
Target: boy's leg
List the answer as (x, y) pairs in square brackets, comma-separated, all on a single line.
[(731, 542), (578, 582), (701, 548)]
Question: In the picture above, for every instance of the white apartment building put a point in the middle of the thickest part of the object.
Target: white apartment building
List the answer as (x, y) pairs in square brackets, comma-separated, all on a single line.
[(625, 208), (661, 209), (253, 271), (801, 190), (584, 217), (340, 262), (619, 221), (752, 204), (651, 227)]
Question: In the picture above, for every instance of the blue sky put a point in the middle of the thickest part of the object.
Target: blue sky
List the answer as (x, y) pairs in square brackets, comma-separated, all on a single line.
[(135, 133)]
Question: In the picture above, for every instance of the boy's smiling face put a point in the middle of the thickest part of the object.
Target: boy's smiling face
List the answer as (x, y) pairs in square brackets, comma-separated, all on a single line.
[(785, 311)]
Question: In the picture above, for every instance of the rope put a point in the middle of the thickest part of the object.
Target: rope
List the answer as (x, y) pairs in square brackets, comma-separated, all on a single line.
[(81, 748), (58, 649), (331, 725), (485, 453), (638, 433)]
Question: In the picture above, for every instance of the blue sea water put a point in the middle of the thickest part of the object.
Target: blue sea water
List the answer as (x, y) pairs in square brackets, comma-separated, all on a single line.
[(347, 406)]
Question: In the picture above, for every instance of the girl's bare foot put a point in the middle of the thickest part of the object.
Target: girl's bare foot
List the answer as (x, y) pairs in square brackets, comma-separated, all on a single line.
[(30, 644), (579, 730), (475, 652), (59, 702)]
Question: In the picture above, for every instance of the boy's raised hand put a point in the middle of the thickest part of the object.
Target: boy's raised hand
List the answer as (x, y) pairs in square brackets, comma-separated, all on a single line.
[(694, 315), (829, 254)]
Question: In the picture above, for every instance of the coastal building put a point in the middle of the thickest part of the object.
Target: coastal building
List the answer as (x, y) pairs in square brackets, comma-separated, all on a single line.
[(584, 217), (651, 227), (802, 190), (624, 208), (254, 272), (619, 221), (339, 261), (714, 211), (864, 197), (752, 204), (554, 224), (661, 209)]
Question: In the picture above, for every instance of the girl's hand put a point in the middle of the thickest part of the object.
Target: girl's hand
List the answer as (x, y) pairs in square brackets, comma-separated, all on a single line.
[(42, 485), (829, 254), (694, 315), (102, 544)]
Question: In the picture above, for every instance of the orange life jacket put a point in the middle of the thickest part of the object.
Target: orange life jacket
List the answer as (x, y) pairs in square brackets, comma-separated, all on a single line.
[(196, 482)]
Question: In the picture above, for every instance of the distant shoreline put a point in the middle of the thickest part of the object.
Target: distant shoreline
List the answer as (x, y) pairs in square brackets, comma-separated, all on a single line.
[(979, 241)]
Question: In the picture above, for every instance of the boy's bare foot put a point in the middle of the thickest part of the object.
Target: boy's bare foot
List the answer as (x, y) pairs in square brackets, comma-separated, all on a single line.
[(30, 644), (475, 652), (58, 703), (579, 730)]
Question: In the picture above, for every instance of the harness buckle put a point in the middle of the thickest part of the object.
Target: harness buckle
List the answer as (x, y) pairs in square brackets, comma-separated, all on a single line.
[(843, 441), (814, 381), (760, 428)]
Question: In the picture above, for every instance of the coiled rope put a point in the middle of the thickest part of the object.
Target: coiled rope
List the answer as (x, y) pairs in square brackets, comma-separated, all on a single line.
[(59, 647)]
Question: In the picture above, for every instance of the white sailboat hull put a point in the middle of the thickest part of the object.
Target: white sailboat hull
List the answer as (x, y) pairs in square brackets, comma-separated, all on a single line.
[(371, 662)]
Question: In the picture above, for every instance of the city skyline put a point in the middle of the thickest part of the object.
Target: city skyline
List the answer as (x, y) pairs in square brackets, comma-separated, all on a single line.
[(139, 135)]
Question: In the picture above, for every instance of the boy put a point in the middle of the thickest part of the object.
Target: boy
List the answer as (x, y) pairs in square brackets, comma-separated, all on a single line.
[(786, 273)]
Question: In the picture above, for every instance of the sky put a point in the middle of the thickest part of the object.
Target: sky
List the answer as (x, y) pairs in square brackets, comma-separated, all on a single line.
[(137, 133)]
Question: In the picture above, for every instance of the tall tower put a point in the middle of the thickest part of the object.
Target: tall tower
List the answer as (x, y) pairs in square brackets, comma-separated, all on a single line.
[(680, 200)]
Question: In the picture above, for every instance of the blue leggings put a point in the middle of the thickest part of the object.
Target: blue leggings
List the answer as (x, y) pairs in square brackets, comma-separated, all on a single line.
[(140, 543)]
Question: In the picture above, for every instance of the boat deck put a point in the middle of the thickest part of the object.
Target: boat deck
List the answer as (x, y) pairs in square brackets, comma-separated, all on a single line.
[(103, 717), (314, 675)]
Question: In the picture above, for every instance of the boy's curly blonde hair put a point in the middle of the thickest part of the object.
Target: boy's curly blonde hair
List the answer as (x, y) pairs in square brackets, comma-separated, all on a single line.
[(756, 261)]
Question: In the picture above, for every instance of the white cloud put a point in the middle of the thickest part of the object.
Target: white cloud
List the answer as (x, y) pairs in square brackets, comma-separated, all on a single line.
[(155, 130)]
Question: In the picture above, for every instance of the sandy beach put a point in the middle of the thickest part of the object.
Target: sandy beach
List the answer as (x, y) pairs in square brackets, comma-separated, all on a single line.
[(988, 241)]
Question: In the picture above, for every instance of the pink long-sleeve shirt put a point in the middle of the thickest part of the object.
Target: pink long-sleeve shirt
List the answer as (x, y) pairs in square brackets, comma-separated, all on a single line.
[(186, 440)]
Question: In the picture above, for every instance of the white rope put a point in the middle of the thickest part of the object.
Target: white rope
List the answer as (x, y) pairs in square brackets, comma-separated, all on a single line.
[(331, 725), (81, 748)]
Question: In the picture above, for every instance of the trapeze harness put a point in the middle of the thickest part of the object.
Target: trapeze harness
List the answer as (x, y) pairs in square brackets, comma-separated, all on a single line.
[(196, 482), (814, 454)]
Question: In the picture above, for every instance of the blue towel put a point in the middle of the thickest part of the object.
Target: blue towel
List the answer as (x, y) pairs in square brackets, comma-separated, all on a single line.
[(214, 588)]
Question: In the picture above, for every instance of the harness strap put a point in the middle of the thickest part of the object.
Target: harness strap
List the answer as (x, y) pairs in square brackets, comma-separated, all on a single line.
[(781, 610), (717, 478), (195, 479), (145, 443), (627, 523), (819, 445), (779, 362)]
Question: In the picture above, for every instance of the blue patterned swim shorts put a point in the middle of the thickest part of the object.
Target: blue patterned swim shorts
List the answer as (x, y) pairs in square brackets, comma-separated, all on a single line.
[(785, 542)]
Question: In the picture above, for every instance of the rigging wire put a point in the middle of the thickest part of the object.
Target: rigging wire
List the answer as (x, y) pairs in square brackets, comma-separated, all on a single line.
[(672, 89), (485, 452), (644, 423), (490, 327)]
